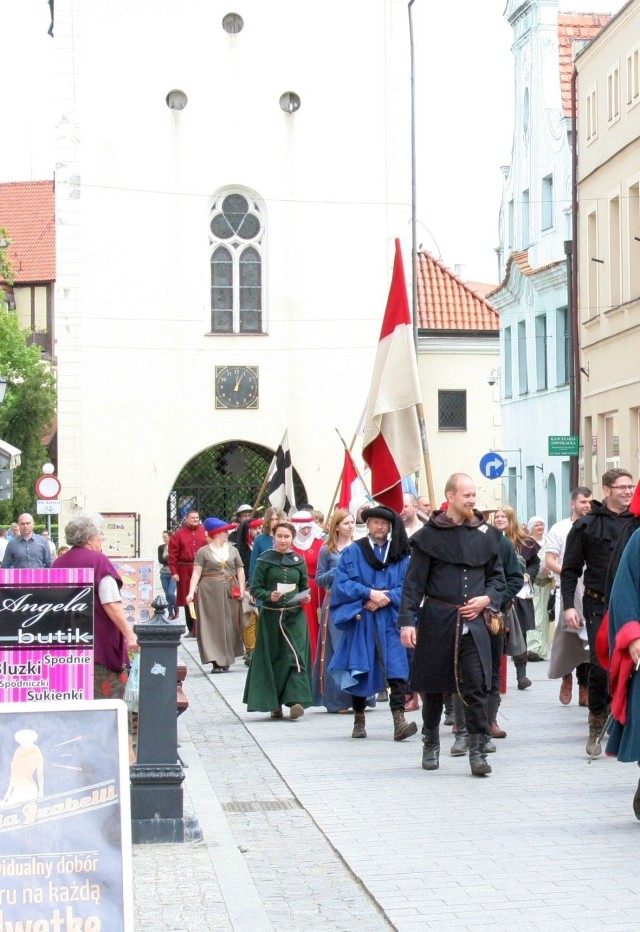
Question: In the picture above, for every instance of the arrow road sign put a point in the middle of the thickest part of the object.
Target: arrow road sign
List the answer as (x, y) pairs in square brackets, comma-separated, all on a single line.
[(492, 465)]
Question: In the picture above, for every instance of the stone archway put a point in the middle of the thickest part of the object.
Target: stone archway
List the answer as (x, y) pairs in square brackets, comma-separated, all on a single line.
[(220, 478)]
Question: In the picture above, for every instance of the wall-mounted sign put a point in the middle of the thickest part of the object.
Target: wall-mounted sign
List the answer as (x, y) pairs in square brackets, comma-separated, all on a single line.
[(563, 445)]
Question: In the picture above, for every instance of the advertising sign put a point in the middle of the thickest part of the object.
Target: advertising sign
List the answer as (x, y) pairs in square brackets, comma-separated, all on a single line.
[(120, 534), (137, 589), (46, 635), (65, 823)]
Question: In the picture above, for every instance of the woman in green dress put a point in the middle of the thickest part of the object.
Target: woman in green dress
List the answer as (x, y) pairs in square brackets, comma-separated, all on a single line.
[(280, 671)]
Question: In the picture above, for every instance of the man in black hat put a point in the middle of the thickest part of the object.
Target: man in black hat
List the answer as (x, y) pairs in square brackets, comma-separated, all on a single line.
[(454, 574), (365, 599)]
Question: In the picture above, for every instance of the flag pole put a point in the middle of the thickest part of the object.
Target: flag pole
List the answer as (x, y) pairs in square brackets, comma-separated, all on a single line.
[(263, 486), (426, 455), (261, 492), (337, 488), (358, 473)]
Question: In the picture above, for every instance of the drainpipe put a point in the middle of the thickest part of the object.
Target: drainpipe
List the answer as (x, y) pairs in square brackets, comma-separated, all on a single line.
[(572, 289)]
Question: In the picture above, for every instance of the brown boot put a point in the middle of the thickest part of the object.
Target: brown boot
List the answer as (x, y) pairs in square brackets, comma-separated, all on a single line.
[(401, 727), (359, 731), (597, 721), (566, 687), (583, 696)]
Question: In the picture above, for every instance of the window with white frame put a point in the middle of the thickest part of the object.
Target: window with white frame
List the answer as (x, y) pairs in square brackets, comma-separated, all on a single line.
[(541, 353), (524, 218), (591, 114), (611, 442), (523, 376), (236, 238), (593, 289), (633, 233), (547, 202), (507, 379), (615, 264), (633, 76), (613, 94)]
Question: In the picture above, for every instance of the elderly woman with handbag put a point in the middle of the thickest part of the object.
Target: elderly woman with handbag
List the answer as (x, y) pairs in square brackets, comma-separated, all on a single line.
[(217, 587)]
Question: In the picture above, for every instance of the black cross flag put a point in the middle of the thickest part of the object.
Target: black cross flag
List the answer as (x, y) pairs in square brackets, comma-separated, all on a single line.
[(280, 478)]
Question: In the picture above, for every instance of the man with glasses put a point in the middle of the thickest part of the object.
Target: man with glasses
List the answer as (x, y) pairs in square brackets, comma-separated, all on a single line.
[(590, 544)]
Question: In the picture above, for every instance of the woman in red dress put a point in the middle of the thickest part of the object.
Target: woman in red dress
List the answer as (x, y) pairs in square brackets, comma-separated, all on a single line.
[(307, 543)]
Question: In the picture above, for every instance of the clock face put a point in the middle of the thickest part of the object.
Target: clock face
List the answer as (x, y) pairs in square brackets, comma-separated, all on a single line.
[(236, 386)]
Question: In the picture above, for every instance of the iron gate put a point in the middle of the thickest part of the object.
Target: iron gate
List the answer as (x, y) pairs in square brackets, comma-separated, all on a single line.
[(220, 478)]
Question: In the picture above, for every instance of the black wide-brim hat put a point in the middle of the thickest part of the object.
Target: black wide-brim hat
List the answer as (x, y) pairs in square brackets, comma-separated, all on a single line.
[(379, 511)]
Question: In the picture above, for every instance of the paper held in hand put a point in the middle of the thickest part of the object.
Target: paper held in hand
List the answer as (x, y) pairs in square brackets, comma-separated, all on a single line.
[(286, 587)]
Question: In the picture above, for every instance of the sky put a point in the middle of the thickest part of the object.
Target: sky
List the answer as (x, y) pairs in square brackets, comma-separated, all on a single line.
[(464, 118)]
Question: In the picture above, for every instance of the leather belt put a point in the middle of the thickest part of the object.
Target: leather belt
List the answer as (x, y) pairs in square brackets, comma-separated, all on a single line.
[(597, 596)]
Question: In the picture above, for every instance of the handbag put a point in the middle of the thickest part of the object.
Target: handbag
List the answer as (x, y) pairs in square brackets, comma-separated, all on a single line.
[(132, 688), (494, 621), (515, 644), (232, 584)]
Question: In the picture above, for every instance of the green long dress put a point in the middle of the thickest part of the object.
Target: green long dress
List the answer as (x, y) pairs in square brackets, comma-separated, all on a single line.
[(280, 671)]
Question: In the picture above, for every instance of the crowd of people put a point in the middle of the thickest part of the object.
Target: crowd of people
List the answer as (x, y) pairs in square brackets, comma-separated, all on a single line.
[(418, 608)]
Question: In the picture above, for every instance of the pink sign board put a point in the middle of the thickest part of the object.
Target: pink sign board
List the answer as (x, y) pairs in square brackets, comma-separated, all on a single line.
[(46, 635)]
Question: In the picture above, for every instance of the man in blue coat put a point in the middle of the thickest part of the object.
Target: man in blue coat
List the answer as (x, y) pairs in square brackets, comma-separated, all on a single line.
[(365, 600)]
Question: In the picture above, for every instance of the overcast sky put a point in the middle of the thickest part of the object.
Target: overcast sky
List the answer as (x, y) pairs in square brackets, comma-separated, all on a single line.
[(464, 101)]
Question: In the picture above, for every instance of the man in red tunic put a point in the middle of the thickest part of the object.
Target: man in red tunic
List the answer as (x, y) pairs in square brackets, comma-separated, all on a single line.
[(183, 546)]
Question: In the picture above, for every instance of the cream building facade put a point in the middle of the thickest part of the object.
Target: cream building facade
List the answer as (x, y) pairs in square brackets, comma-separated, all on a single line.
[(608, 89)]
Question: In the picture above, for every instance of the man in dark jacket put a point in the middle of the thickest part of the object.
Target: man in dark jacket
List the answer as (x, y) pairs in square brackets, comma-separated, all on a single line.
[(454, 573), (590, 544)]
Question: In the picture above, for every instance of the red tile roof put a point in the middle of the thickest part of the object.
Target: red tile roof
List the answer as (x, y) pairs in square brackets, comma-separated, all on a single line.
[(574, 28), (445, 302), (27, 213), (521, 260)]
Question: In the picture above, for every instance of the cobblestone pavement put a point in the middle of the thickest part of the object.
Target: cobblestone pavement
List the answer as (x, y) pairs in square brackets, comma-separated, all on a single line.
[(307, 829)]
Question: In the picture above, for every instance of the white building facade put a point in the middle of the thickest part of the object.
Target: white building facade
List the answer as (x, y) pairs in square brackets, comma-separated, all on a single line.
[(228, 190)]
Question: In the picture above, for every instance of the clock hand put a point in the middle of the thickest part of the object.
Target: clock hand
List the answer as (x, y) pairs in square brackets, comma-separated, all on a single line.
[(237, 385)]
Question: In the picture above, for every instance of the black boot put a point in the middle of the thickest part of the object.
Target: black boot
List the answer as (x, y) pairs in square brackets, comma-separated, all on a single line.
[(520, 663), (460, 746), (431, 749), (477, 756)]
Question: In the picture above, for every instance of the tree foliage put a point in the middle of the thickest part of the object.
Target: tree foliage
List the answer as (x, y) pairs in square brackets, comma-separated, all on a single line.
[(29, 406)]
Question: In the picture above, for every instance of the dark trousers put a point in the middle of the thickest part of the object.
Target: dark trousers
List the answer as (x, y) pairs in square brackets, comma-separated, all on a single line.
[(397, 689), (593, 612), (472, 688)]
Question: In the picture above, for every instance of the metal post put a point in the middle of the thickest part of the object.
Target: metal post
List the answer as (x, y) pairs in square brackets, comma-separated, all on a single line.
[(157, 775)]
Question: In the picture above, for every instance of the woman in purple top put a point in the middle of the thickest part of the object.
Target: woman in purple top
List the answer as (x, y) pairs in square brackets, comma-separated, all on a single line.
[(113, 637)]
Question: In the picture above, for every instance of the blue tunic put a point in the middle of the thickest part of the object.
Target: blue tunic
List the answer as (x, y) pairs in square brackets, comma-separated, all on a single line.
[(624, 616), (325, 691), (370, 652)]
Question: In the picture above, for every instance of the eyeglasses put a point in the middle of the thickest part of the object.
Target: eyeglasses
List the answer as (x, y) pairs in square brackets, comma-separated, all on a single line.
[(623, 488)]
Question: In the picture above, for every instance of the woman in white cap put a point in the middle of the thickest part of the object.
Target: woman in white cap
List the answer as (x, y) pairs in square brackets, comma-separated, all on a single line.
[(308, 543)]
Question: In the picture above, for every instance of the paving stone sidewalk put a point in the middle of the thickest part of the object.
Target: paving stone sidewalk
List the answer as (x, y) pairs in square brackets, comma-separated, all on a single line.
[(317, 831)]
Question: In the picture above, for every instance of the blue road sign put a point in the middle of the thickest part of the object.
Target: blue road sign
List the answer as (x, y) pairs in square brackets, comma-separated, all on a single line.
[(492, 465)]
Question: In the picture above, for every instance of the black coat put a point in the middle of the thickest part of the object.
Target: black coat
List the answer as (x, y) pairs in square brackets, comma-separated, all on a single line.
[(449, 565)]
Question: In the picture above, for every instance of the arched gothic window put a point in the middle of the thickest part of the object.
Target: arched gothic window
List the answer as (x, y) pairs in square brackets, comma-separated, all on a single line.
[(236, 234)]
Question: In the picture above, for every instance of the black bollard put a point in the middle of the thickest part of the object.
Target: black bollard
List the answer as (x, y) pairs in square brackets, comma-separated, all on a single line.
[(157, 776)]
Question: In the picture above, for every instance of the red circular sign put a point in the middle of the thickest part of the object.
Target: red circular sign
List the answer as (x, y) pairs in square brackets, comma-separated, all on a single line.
[(48, 487)]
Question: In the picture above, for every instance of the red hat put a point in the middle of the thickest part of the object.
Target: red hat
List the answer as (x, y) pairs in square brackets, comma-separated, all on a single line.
[(634, 506), (257, 522)]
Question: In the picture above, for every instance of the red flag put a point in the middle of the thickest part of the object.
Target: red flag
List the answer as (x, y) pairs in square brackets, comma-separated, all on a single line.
[(349, 482), (391, 443)]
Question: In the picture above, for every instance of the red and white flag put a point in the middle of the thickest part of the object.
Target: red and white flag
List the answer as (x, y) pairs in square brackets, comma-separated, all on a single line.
[(352, 488), (391, 443)]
